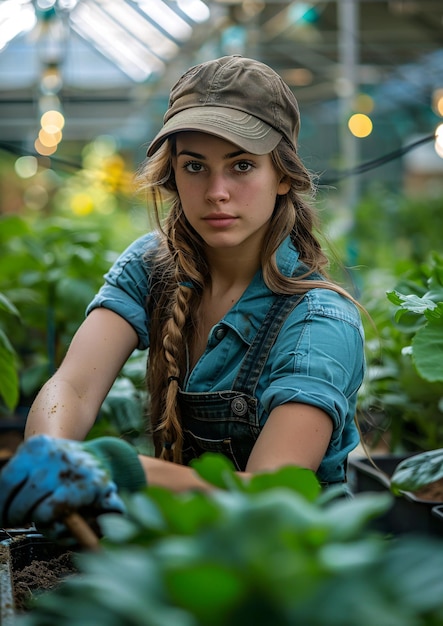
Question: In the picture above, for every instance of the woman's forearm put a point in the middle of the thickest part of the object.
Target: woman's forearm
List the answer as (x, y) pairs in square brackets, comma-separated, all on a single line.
[(174, 476), (69, 402), (59, 411)]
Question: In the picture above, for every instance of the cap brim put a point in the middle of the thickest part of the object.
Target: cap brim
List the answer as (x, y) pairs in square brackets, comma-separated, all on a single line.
[(239, 128)]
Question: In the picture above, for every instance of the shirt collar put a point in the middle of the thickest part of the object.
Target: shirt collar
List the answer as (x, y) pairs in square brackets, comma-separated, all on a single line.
[(287, 257), (248, 314)]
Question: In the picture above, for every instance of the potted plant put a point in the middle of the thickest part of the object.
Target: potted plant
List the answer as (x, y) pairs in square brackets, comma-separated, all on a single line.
[(422, 474)]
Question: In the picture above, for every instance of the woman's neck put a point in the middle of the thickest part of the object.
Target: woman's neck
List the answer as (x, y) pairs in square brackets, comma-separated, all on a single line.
[(229, 271)]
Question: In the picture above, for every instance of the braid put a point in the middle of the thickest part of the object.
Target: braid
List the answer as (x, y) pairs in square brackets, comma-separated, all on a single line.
[(178, 290), (170, 424)]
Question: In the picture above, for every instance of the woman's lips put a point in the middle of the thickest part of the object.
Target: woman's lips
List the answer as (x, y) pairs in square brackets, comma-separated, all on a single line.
[(220, 220)]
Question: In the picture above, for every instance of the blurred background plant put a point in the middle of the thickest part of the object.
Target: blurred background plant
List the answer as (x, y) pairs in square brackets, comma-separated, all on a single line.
[(52, 261), (402, 398)]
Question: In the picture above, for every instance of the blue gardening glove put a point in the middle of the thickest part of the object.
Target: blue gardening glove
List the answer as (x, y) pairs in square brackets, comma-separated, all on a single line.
[(49, 478)]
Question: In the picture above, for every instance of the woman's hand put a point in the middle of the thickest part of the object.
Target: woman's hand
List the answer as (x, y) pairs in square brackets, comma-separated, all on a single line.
[(48, 479)]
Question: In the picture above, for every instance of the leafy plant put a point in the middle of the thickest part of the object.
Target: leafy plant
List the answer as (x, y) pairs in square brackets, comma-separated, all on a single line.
[(50, 270), (404, 385), (275, 550), (9, 384), (392, 229), (418, 471), (422, 315), (123, 412)]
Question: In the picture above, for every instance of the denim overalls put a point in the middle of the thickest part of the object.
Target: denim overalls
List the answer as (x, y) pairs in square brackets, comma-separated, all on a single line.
[(227, 421)]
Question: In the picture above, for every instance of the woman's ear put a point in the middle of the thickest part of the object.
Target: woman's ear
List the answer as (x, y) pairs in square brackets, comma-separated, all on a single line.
[(283, 187)]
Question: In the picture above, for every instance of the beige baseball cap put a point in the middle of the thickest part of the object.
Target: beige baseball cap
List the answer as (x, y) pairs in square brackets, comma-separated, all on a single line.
[(241, 100)]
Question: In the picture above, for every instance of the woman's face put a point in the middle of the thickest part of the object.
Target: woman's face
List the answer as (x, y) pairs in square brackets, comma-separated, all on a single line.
[(228, 195)]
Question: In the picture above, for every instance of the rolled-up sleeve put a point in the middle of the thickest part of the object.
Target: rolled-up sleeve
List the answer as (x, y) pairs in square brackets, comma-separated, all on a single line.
[(126, 287), (318, 358)]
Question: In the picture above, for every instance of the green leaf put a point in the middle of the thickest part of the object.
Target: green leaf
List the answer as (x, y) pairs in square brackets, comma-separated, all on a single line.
[(9, 383), (298, 479), (412, 303), (13, 226), (395, 297), (416, 565), (217, 470), (208, 590), (117, 528), (415, 472), (357, 554), (427, 351), (33, 377), (348, 517), (184, 513), (6, 305), (123, 407)]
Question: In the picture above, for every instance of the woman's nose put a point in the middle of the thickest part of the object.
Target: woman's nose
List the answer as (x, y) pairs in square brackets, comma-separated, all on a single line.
[(217, 189)]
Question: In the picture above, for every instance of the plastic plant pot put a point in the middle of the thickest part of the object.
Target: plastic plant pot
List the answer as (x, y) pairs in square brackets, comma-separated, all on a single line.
[(408, 514)]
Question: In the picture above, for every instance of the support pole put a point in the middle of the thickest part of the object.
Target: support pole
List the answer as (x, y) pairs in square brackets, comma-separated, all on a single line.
[(348, 45)]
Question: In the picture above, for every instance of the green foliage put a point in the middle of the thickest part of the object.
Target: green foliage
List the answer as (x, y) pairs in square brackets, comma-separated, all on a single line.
[(405, 373), (249, 556), (422, 317), (418, 471), (50, 269), (9, 384), (123, 410), (390, 229)]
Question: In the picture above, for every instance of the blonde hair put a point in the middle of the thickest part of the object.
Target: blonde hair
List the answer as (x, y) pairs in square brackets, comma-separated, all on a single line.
[(181, 273)]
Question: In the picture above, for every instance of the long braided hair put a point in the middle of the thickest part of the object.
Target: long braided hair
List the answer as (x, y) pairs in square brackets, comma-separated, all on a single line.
[(181, 273)]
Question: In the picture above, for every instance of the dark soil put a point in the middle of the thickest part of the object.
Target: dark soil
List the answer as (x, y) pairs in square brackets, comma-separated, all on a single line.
[(9, 442), (40, 576), (432, 492)]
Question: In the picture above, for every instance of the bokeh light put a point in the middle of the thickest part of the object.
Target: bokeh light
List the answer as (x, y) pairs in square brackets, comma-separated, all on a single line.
[(50, 139), (364, 103), (439, 140), (437, 101), (360, 125), (26, 166), (52, 119), (44, 150), (82, 204)]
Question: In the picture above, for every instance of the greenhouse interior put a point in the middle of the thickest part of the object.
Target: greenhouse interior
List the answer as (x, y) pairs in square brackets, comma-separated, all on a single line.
[(85, 85)]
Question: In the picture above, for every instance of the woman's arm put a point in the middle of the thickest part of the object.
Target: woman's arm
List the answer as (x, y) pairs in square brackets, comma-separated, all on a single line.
[(294, 434), (69, 402)]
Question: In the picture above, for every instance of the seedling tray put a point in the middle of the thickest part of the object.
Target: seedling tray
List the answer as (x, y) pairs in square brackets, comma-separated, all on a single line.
[(19, 549)]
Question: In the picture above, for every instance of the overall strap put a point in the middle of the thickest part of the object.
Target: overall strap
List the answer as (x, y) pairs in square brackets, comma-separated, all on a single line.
[(255, 358)]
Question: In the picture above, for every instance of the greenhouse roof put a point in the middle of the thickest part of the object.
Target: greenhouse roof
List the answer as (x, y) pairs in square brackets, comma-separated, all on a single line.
[(110, 63)]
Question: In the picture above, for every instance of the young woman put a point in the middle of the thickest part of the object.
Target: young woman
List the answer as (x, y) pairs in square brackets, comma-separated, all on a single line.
[(253, 351)]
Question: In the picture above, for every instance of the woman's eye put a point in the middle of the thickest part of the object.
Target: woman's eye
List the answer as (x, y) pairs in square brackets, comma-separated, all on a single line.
[(193, 166), (243, 166)]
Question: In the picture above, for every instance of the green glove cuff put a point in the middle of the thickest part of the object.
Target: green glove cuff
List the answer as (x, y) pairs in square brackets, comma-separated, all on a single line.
[(120, 459)]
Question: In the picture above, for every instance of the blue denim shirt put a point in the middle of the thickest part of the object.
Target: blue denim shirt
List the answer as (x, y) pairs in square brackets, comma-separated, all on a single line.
[(317, 358)]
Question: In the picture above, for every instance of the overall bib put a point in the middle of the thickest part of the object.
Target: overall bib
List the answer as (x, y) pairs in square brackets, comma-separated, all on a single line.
[(227, 421)]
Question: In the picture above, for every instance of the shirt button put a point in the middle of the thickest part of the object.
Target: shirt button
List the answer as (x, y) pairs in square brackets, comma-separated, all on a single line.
[(219, 333)]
